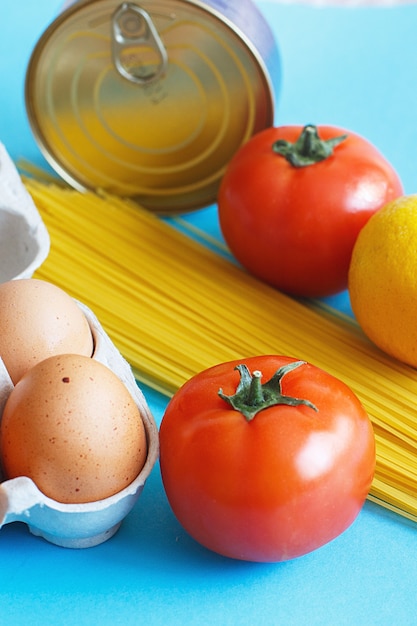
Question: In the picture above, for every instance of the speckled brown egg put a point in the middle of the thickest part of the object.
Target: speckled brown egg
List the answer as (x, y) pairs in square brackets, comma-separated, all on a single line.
[(72, 426), (37, 320)]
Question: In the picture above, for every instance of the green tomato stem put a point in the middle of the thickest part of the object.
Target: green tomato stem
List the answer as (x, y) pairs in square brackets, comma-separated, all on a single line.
[(256, 396), (308, 149), (252, 395)]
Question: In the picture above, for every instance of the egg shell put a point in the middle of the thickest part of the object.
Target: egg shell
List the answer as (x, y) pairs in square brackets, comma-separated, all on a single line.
[(39, 319), (88, 524), (72, 426)]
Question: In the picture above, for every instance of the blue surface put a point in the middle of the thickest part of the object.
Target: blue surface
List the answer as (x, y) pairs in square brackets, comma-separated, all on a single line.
[(351, 67)]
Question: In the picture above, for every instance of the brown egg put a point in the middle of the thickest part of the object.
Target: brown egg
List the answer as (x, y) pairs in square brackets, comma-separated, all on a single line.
[(72, 426), (38, 320)]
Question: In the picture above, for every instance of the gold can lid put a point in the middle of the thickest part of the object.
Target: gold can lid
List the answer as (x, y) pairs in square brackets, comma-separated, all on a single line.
[(148, 101)]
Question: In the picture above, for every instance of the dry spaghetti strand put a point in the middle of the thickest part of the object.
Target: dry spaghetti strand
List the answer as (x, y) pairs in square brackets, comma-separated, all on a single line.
[(174, 307)]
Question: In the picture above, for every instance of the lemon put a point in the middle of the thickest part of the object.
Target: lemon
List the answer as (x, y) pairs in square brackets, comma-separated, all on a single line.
[(383, 279)]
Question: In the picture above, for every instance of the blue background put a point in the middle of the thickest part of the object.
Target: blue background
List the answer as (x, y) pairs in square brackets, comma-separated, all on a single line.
[(352, 67)]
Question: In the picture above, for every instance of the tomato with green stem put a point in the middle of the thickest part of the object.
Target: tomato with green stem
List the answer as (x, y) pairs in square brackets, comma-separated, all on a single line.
[(293, 201), (266, 471)]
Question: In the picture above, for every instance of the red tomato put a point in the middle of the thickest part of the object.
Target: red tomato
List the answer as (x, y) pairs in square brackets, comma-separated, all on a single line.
[(272, 486), (294, 226)]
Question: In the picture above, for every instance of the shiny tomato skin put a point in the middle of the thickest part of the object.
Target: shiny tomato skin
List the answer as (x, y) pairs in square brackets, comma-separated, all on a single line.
[(293, 227), (278, 486)]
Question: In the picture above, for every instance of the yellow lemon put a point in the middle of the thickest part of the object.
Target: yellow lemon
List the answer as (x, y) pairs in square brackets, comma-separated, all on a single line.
[(383, 279)]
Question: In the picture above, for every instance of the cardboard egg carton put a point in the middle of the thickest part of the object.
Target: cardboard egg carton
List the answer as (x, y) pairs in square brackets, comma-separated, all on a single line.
[(67, 525), (24, 239)]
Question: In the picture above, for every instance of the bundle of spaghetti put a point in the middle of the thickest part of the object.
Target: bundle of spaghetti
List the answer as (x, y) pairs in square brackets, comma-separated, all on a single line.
[(174, 307)]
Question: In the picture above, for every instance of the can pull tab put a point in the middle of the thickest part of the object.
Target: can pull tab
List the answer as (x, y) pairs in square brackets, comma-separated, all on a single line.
[(138, 52)]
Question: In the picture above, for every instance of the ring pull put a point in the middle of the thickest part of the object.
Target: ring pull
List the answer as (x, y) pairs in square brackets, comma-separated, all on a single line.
[(138, 52)]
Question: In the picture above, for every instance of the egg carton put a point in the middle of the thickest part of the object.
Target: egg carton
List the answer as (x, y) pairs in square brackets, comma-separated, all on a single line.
[(24, 239), (89, 524), (24, 245)]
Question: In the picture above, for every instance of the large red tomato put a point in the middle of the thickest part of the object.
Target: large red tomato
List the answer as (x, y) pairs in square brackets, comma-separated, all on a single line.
[(266, 470), (292, 202)]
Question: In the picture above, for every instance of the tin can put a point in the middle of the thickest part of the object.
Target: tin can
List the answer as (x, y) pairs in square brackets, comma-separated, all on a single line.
[(151, 100)]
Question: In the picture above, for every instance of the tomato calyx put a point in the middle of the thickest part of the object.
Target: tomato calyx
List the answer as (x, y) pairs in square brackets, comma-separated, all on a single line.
[(252, 395), (308, 149)]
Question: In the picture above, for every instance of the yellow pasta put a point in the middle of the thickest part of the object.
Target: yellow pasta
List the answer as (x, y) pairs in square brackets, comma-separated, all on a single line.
[(174, 307)]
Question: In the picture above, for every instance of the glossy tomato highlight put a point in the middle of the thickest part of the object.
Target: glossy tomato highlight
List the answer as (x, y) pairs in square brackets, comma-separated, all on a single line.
[(271, 484), (293, 201)]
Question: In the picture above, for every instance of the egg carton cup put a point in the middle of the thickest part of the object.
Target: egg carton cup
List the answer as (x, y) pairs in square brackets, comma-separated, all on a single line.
[(89, 524), (24, 239)]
